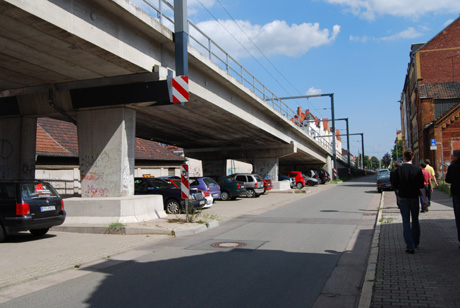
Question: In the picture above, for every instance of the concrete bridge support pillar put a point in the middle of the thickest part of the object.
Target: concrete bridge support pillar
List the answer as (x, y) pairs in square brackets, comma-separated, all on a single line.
[(330, 166), (214, 167), (267, 168), (106, 142), (17, 148)]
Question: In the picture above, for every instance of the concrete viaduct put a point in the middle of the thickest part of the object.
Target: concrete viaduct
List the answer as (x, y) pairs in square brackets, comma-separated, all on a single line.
[(103, 65)]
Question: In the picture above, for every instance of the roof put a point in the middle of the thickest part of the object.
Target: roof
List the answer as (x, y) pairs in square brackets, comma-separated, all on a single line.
[(449, 117), (444, 90), (60, 138)]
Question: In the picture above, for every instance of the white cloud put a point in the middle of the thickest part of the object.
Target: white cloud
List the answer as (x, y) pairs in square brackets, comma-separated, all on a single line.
[(274, 38), (370, 9), (409, 33), (314, 91)]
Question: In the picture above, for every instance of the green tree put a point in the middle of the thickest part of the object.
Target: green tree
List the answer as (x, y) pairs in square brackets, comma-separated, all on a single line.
[(374, 163), (386, 160), (397, 151)]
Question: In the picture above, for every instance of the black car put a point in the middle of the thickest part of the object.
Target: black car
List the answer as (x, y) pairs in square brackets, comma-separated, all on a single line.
[(172, 196), (29, 205), (324, 176)]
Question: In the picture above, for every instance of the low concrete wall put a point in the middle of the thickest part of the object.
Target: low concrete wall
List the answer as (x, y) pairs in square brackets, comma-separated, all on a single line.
[(281, 185), (110, 210)]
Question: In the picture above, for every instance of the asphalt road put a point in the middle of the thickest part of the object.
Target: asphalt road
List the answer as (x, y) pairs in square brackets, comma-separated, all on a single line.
[(311, 252)]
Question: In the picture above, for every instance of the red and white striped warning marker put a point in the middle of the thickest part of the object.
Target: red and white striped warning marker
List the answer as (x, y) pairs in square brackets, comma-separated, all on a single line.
[(185, 184), (335, 174), (180, 92)]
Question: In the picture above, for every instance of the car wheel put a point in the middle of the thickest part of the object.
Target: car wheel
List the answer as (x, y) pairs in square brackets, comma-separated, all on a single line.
[(172, 207), (299, 185), (2, 234), (225, 196), (250, 193), (39, 232)]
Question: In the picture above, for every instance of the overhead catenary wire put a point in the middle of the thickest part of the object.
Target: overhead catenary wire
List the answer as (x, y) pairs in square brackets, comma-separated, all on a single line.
[(258, 49)]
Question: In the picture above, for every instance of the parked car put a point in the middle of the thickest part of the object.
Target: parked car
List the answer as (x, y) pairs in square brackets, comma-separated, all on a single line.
[(230, 188), (206, 184), (324, 176), (302, 180), (383, 180), (175, 180), (172, 196), (313, 174), (253, 183), (286, 178), (268, 185), (29, 205), (209, 199)]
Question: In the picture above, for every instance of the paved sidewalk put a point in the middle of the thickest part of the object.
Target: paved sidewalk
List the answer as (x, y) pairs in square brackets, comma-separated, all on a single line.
[(428, 278)]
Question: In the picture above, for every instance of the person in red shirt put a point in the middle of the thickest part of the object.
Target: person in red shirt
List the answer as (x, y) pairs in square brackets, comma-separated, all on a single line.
[(428, 188)]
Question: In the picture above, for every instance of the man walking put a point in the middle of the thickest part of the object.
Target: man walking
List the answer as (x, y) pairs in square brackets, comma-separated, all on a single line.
[(409, 181), (433, 177), (453, 177)]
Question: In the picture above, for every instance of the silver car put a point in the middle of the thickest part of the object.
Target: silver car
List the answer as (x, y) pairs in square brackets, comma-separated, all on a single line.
[(253, 183)]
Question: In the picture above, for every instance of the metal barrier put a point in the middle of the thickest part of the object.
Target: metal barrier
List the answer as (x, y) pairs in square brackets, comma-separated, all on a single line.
[(199, 40)]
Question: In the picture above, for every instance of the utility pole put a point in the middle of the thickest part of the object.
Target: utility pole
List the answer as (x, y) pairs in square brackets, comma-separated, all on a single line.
[(181, 36)]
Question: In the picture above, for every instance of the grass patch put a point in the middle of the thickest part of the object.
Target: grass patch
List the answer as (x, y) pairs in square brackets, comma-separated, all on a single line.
[(116, 226), (443, 187)]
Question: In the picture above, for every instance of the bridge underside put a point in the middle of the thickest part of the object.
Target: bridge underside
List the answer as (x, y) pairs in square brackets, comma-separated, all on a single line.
[(69, 59)]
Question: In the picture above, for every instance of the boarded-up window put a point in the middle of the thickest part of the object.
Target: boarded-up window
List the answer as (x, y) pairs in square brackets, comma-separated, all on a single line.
[(455, 145)]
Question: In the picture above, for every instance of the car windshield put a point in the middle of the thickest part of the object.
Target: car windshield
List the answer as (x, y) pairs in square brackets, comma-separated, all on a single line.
[(31, 191), (383, 174)]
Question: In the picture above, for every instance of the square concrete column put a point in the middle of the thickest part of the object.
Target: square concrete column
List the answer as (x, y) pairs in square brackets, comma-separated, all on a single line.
[(17, 148), (267, 168), (106, 142), (214, 167)]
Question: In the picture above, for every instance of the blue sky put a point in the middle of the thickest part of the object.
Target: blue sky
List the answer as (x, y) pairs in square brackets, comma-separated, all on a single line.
[(356, 49)]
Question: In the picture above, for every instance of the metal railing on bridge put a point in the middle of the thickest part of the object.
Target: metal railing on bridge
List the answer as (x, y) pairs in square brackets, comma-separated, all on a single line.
[(163, 11)]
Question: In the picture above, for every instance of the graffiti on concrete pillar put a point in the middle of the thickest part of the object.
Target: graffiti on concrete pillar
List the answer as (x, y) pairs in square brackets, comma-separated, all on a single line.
[(28, 171), (265, 168), (93, 176), (6, 149), (89, 161), (96, 191)]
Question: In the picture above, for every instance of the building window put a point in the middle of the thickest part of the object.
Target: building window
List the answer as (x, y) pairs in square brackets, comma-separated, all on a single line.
[(171, 171)]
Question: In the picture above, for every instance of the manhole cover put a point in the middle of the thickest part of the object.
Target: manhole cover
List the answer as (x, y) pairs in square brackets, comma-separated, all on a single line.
[(228, 245)]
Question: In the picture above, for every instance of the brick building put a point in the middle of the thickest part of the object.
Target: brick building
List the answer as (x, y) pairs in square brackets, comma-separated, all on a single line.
[(430, 101)]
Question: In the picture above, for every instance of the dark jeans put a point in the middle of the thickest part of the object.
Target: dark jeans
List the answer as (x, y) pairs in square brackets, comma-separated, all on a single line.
[(409, 207), (428, 196), (456, 202)]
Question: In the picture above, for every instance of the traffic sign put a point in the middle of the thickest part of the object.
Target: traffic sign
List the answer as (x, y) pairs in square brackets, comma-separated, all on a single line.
[(185, 184), (179, 89)]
